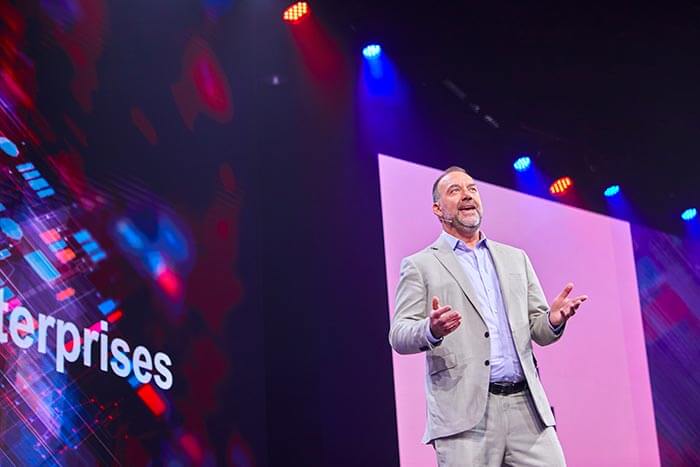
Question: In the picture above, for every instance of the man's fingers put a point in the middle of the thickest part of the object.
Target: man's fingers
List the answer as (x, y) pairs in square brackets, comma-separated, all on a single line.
[(572, 306), (568, 307), (436, 303), (445, 320), (436, 313), (565, 293), (450, 316), (451, 323)]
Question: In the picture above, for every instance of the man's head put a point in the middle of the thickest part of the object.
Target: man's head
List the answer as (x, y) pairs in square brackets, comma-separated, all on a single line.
[(456, 201)]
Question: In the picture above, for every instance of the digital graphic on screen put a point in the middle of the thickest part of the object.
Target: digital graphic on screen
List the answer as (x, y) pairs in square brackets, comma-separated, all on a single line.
[(596, 377), (120, 268), (52, 317)]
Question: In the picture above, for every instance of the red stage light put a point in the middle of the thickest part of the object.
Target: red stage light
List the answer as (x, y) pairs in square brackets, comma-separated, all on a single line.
[(296, 12), (561, 186)]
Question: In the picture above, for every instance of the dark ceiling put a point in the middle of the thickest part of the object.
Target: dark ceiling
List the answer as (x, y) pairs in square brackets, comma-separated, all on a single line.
[(604, 93)]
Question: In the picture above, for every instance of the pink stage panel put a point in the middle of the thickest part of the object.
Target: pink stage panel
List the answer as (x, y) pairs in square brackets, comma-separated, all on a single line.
[(596, 377)]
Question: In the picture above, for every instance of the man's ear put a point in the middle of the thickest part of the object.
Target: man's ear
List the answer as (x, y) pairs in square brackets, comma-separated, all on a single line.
[(436, 210)]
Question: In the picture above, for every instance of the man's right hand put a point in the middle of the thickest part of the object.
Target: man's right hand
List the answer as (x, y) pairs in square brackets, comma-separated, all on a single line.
[(443, 320)]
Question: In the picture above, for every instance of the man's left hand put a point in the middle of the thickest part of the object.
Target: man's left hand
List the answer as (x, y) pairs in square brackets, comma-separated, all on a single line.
[(563, 307)]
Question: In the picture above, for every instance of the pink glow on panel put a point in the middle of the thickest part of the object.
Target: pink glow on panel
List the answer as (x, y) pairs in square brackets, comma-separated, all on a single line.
[(169, 282), (144, 125), (65, 294), (192, 447), (65, 255), (80, 30), (50, 236), (203, 87), (596, 377)]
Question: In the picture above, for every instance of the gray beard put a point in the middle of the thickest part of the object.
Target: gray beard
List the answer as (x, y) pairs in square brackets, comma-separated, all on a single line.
[(468, 228)]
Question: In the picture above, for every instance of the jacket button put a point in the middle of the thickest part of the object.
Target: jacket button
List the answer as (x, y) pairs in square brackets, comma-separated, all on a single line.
[(486, 334), (486, 363)]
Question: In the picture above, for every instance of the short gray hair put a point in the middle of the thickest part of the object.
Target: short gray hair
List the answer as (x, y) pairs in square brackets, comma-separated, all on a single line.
[(454, 168)]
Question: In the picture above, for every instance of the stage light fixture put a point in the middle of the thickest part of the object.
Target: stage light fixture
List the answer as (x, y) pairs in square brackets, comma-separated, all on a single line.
[(611, 191), (561, 186), (296, 12), (522, 163), (689, 214), (372, 51)]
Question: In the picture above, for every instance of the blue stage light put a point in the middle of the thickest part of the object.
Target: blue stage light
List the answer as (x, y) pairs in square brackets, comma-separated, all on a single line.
[(522, 163), (372, 51), (611, 191), (689, 214)]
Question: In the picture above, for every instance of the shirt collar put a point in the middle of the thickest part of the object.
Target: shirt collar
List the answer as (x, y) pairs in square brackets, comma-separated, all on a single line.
[(457, 244)]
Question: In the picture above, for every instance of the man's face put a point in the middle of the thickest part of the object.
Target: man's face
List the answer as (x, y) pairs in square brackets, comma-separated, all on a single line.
[(459, 204)]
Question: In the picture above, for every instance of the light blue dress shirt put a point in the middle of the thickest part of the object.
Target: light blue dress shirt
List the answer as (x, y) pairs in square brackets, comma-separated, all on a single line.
[(481, 273)]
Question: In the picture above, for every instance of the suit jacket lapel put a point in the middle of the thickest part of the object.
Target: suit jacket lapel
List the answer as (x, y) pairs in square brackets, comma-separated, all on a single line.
[(447, 258), (500, 263)]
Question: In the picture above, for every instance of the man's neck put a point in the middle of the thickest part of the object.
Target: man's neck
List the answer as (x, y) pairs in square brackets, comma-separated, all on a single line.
[(470, 238)]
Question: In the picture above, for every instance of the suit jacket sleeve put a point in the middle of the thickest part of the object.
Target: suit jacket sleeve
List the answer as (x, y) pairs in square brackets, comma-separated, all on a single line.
[(538, 309), (410, 322)]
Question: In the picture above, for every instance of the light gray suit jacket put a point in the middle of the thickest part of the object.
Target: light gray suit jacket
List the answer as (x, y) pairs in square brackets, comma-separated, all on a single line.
[(457, 375)]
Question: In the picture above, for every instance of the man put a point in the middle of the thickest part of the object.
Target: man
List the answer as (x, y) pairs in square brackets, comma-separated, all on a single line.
[(475, 306)]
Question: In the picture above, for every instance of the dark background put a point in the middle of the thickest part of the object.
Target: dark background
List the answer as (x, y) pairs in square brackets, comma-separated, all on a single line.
[(603, 94)]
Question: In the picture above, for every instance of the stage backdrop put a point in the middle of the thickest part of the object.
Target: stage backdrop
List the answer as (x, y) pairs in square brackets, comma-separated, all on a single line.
[(596, 377)]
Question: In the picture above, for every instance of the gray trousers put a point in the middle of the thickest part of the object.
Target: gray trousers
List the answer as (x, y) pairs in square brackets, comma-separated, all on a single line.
[(511, 433)]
